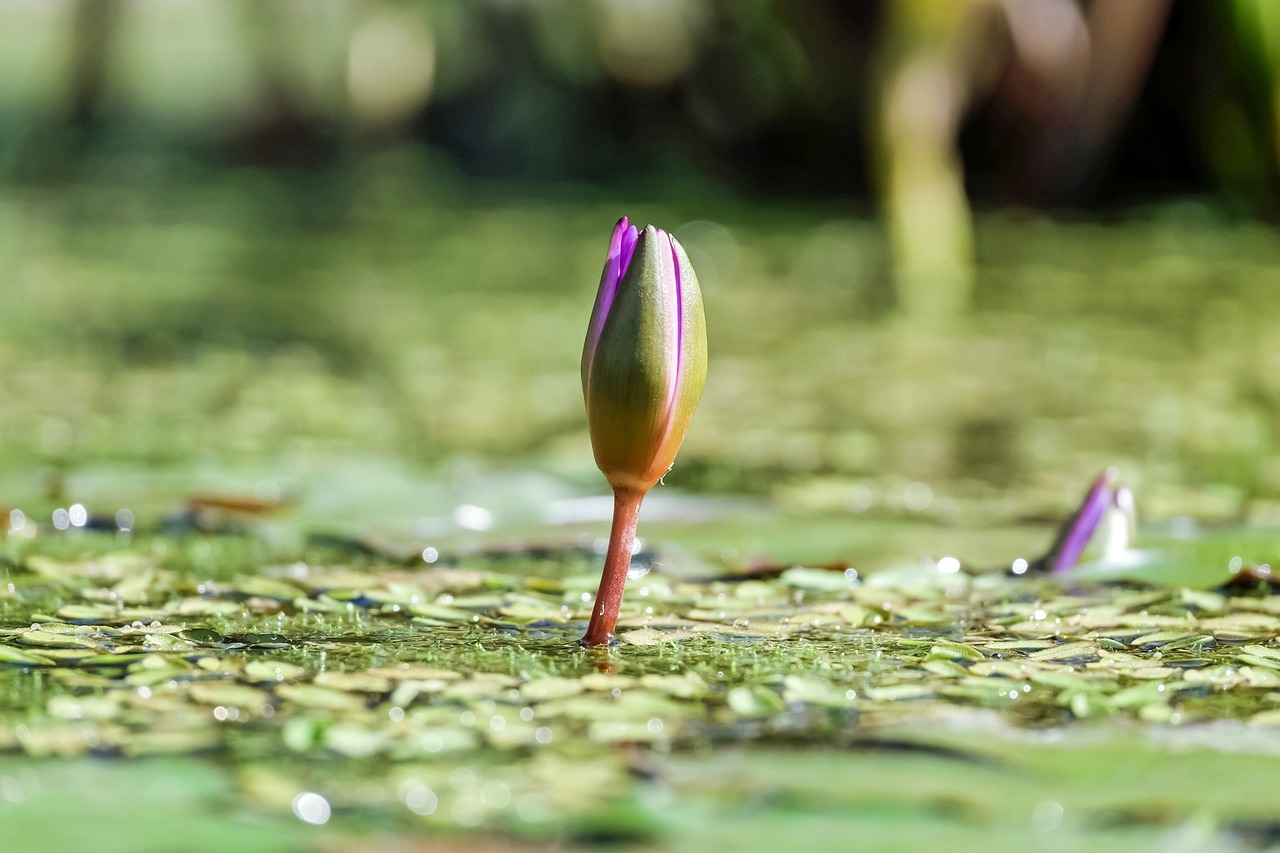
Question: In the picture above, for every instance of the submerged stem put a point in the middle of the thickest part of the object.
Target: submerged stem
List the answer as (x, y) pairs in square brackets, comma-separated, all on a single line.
[(617, 562)]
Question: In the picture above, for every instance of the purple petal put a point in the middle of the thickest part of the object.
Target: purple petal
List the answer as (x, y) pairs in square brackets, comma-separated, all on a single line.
[(616, 239), (669, 264), (622, 245), (1080, 529), (627, 248), (679, 344)]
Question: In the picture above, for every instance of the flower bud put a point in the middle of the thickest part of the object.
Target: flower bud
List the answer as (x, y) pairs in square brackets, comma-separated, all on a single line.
[(1106, 516), (645, 358)]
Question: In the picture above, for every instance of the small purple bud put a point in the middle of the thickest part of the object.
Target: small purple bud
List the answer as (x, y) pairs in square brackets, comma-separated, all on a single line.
[(1080, 528)]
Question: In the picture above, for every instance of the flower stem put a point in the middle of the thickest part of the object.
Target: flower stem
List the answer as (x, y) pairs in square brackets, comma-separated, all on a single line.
[(617, 562)]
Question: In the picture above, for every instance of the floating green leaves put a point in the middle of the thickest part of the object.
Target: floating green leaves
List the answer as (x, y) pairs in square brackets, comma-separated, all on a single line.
[(468, 686)]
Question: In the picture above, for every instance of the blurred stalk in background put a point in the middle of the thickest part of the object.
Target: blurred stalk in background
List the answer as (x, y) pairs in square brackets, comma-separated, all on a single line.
[(1241, 127), (922, 91)]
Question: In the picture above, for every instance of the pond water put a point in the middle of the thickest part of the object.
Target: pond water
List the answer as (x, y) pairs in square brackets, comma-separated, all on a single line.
[(303, 519)]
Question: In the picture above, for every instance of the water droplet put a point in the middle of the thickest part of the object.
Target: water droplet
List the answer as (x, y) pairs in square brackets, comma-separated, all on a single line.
[(467, 813), (312, 808), (421, 800), (917, 496), (532, 808), (495, 794), (463, 779), (1046, 816), (472, 517), (11, 790)]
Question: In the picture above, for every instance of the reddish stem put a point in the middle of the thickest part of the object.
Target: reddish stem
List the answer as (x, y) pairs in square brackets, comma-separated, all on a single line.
[(617, 562)]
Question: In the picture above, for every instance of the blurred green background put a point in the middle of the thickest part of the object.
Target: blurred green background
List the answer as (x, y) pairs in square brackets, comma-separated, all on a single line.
[(956, 256)]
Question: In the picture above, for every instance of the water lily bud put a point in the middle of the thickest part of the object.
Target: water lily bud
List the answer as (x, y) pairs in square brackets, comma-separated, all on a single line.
[(645, 358), (1080, 528), (1105, 524), (643, 367)]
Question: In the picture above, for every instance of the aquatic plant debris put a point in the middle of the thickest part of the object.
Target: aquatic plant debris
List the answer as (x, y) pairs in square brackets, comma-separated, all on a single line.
[(644, 364), (466, 684)]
